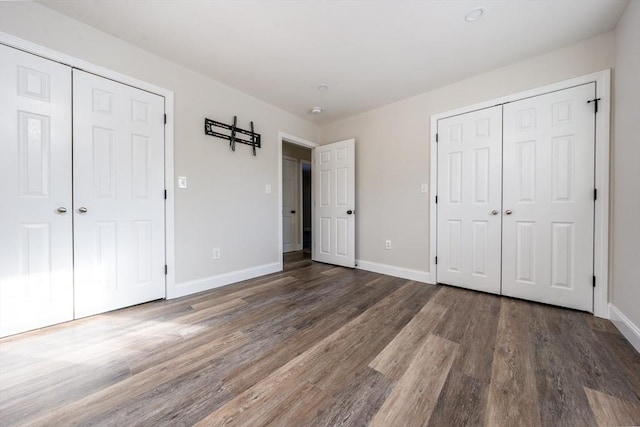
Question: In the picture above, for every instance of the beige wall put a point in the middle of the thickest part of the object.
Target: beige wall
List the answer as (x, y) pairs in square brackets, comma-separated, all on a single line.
[(392, 148), (226, 189), (625, 167)]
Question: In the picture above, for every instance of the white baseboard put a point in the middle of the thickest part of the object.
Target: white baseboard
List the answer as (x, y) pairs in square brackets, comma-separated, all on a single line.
[(630, 331), (390, 270), (207, 283)]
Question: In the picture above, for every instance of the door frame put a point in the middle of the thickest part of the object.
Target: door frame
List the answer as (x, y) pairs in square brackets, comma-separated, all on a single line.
[(285, 137), (74, 62), (298, 236), (301, 163), (602, 79)]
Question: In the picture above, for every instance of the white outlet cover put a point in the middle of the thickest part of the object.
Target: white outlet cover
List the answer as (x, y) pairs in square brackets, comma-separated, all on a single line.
[(182, 182), (267, 188), (424, 188)]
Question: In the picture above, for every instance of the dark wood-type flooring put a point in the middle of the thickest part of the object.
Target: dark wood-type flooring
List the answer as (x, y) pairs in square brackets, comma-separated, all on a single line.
[(318, 345)]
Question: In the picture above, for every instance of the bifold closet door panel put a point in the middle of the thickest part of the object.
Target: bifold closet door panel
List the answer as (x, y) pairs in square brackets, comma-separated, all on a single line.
[(36, 277), (548, 198), (118, 170), (469, 200)]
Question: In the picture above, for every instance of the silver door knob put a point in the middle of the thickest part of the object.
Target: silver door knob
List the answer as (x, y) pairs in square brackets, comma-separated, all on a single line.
[(508, 212), (82, 210), (495, 212), (62, 209)]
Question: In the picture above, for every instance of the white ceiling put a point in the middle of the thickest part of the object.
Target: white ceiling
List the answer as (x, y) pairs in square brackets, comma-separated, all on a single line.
[(370, 53)]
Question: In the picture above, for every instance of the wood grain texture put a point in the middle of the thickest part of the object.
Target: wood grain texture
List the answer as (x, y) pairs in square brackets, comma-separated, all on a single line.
[(414, 397), (513, 398), (394, 360), (610, 410), (319, 345)]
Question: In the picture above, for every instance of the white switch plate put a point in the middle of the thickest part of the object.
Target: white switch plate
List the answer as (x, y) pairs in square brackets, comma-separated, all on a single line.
[(267, 189), (424, 188), (182, 182), (216, 253)]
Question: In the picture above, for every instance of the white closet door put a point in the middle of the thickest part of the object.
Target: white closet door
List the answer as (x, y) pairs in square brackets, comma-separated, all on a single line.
[(290, 204), (36, 280), (334, 200), (469, 191), (548, 198), (118, 167)]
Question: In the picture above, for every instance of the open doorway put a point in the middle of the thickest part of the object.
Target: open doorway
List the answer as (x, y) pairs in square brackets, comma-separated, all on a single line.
[(296, 200)]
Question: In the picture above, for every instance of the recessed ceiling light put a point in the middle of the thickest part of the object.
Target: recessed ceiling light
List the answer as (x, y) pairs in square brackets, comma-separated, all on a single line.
[(474, 15), (323, 87), (316, 110)]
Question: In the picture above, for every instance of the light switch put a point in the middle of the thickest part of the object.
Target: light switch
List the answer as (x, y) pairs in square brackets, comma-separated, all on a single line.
[(182, 182), (267, 189), (424, 188)]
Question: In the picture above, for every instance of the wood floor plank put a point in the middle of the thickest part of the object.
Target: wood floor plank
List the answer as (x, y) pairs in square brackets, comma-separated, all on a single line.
[(458, 301), (115, 395), (357, 402), (558, 381), (594, 363), (477, 343), (611, 411), (412, 400), (394, 360), (297, 348), (249, 374), (462, 401), (513, 398), (626, 357), (314, 366)]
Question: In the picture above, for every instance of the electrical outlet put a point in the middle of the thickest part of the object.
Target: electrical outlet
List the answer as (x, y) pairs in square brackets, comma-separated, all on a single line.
[(216, 253), (387, 244)]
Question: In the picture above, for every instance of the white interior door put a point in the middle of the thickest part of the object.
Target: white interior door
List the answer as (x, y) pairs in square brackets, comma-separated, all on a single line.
[(118, 167), (549, 198), (290, 211), (334, 203), (36, 280), (469, 200)]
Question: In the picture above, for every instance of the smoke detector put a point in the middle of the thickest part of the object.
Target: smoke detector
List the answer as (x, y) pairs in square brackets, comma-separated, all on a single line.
[(474, 15), (316, 110)]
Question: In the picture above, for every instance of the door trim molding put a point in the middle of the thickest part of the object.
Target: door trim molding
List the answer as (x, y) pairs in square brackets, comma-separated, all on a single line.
[(74, 62), (282, 137), (602, 79), (301, 163), (297, 246)]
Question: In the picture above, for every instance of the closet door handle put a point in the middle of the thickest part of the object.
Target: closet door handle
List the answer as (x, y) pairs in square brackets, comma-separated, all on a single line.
[(495, 212), (62, 210), (508, 212), (82, 210)]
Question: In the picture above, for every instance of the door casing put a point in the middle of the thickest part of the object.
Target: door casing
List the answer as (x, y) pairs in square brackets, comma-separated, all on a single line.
[(282, 137), (602, 79)]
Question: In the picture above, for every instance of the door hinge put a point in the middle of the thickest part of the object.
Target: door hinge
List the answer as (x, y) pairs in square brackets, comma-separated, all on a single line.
[(436, 260), (436, 199), (165, 194), (165, 119), (595, 194), (436, 136), (165, 269), (595, 102), (594, 281)]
